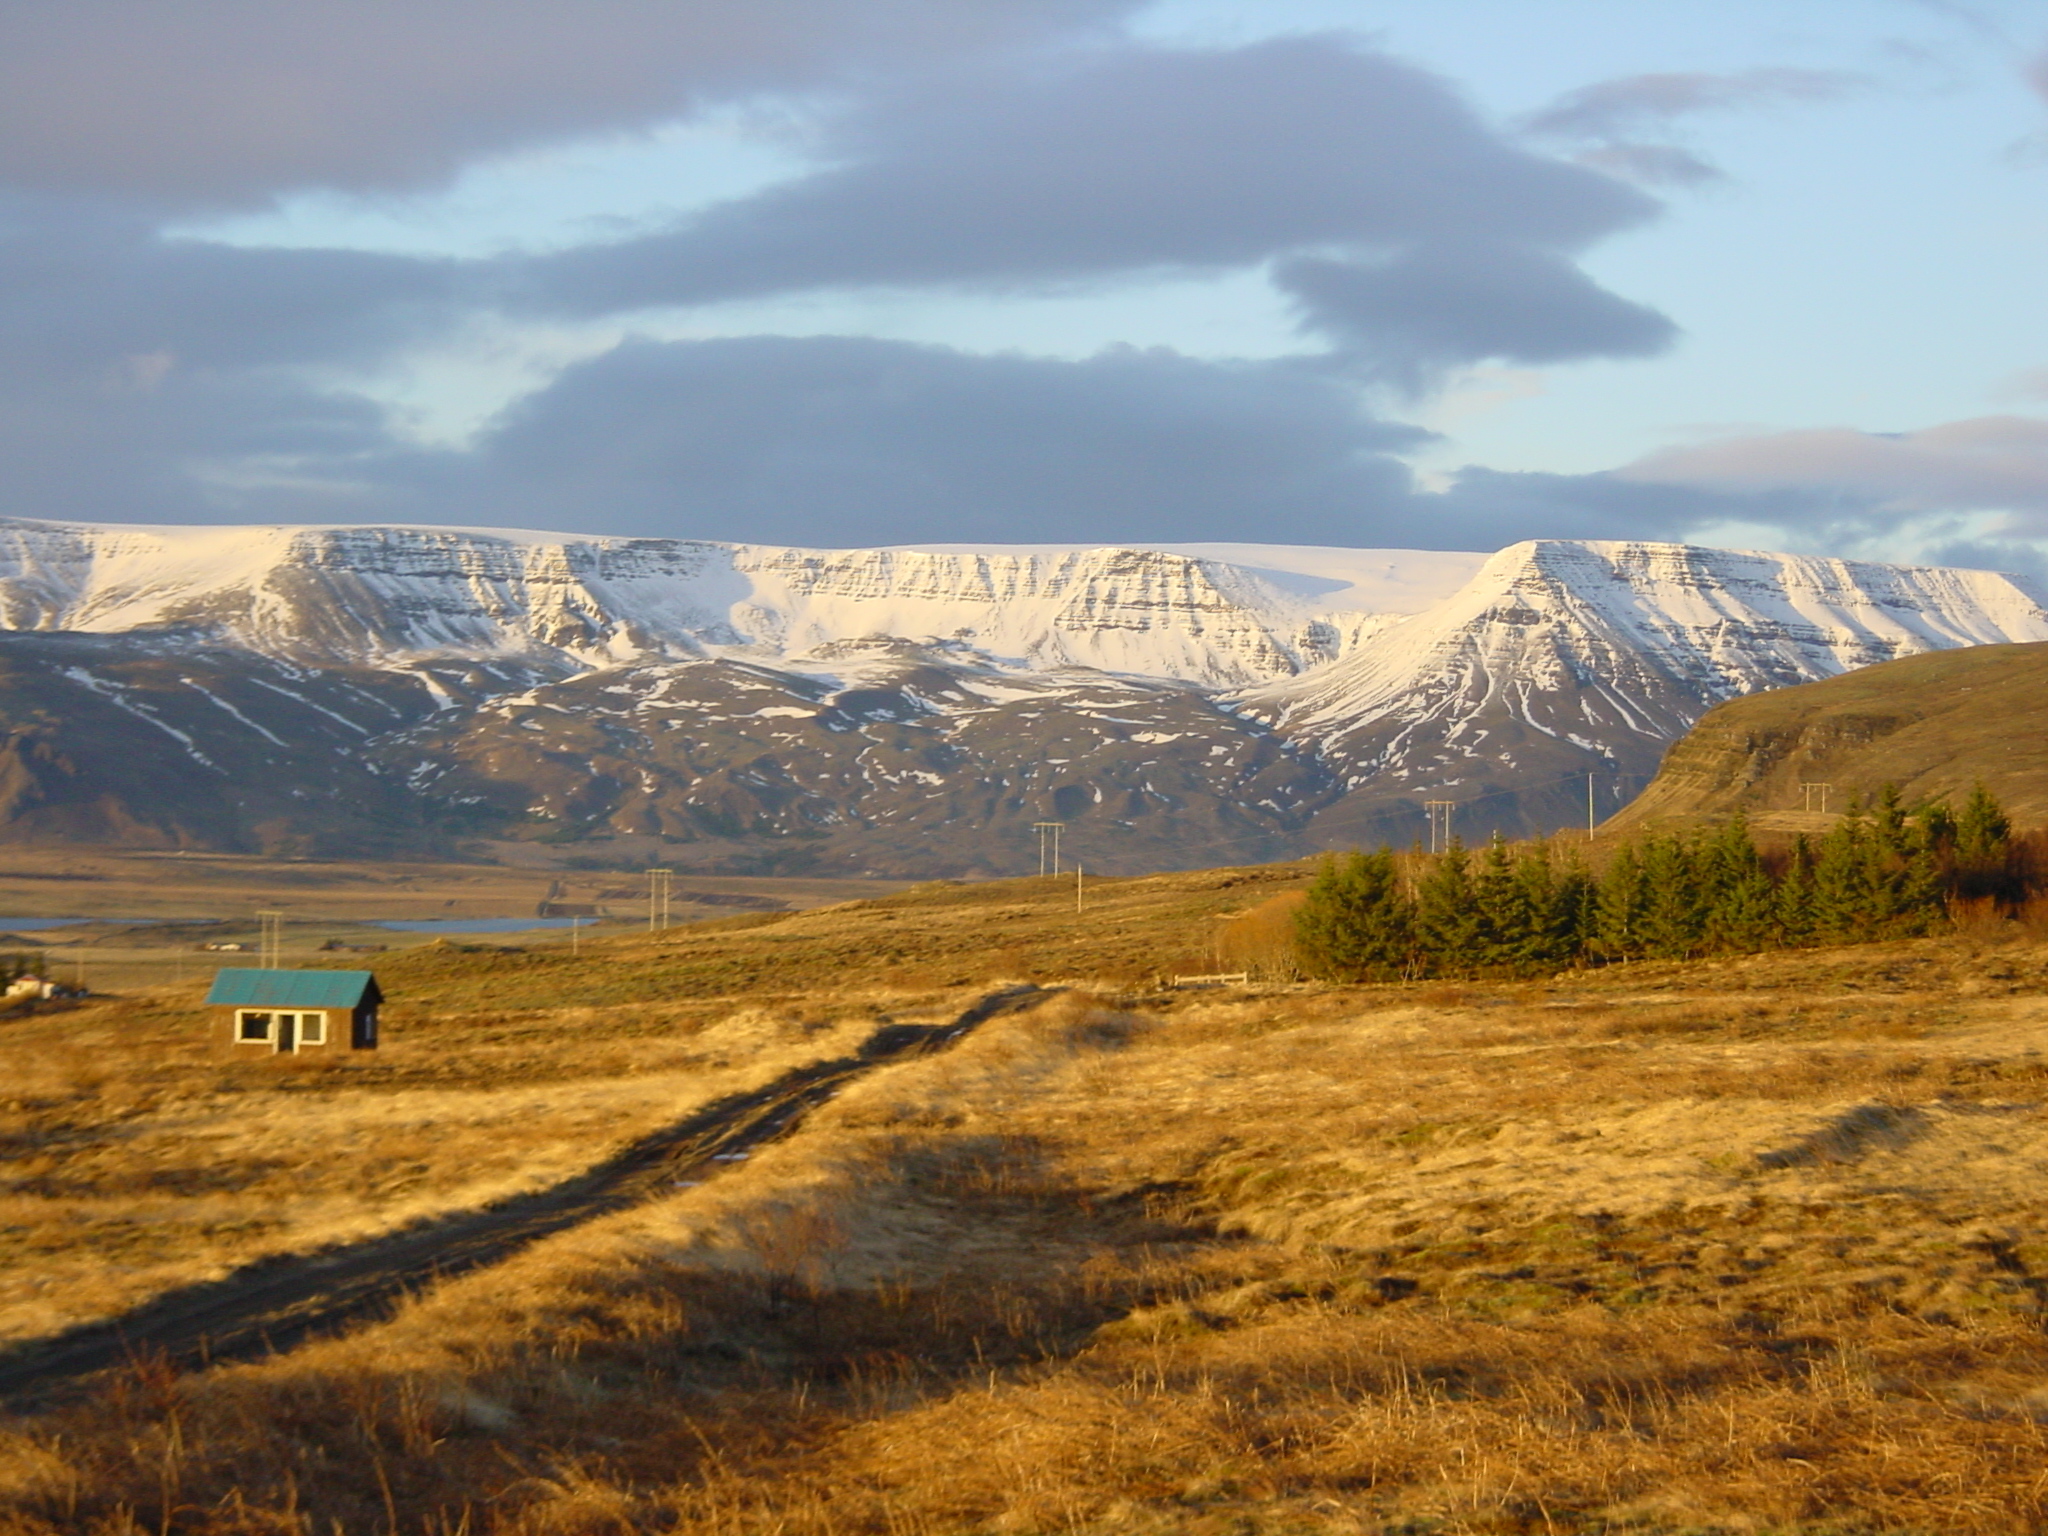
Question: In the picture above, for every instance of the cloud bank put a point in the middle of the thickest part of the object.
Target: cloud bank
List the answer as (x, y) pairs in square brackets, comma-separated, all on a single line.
[(1021, 147), (227, 102), (1001, 148)]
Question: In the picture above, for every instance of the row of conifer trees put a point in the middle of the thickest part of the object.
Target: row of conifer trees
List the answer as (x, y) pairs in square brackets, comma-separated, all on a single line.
[(1881, 872)]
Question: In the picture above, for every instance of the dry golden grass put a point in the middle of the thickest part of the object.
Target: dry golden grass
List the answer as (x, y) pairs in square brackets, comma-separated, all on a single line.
[(136, 1161), (1748, 1246)]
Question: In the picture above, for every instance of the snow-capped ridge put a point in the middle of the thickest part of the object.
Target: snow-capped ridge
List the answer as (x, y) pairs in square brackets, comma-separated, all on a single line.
[(385, 594)]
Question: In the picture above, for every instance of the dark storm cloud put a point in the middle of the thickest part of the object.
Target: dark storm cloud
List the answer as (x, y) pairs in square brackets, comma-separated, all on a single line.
[(1530, 504), (1140, 159), (215, 102), (196, 447), (153, 379), (1435, 307), (834, 440), (81, 289), (850, 440), (162, 380)]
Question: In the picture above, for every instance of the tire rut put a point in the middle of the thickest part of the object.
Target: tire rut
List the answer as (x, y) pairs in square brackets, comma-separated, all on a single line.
[(276, 1304)]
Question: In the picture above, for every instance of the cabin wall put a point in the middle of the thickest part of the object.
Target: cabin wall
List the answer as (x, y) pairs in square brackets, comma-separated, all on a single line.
[(342, 1032)]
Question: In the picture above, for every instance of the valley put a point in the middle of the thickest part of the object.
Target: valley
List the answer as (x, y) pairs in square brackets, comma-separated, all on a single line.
[(1664, 1247), (134, 917)]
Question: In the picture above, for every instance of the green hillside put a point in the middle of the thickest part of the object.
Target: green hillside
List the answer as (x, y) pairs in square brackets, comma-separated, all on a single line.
[(1932, 724)]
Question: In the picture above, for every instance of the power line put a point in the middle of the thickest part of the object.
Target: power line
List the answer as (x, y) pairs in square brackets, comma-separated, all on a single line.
[(1048, 837), (271, 943), (1619, 779), (1440, 814)]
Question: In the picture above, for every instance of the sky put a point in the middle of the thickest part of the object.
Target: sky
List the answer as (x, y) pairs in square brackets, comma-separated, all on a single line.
[(855, 272)]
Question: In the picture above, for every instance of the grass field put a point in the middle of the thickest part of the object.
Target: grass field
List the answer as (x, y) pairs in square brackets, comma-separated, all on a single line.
[(1751, 1245)]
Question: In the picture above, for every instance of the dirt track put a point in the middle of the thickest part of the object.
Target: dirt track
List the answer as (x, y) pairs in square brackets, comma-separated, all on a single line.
[(277, 1304)]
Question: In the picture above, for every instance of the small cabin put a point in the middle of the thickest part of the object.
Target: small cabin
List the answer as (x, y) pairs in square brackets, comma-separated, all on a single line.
[(287, 1012)]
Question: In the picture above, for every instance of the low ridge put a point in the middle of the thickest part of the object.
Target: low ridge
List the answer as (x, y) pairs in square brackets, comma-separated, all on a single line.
[(1934, 725)]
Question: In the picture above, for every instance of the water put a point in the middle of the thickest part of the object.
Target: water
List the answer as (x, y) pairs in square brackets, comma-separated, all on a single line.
[(481, 924), (31, 924)]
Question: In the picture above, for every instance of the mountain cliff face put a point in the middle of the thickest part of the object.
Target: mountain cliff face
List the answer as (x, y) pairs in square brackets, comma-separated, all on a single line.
[(895, 710)]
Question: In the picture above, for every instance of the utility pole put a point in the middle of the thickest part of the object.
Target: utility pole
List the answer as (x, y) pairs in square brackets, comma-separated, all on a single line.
[(1048, 839), (272, 940), (1077, 887), (1589, 808), (1808, 790), (1440, 812), (575, 937), (658, 898)]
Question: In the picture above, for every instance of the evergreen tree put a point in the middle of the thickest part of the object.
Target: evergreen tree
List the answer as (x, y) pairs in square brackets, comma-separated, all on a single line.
[(1889, 833), (1794, 903), (1887, 854), (1935, 825), (1575, 909), (1923, 903), (1983, 829), (1357, 924), (1841, 880), (1624, 897), (1448, 925), (1507, 922), (1738, 896), (1673, 915)]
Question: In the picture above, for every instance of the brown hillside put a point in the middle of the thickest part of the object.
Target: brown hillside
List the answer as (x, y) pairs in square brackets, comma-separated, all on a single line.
[(1932, 724)]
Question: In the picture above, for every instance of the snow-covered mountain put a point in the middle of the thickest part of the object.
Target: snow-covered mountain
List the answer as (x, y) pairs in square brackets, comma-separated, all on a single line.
[(1560, 658), (1185, 704), (350, 594)]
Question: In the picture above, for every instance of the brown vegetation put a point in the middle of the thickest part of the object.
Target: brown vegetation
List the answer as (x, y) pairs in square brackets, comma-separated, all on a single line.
[(1933, 724), (1743, 1245)]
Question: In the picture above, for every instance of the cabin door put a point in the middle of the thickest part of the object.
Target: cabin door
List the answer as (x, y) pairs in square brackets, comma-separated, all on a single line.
[(287, 1033)]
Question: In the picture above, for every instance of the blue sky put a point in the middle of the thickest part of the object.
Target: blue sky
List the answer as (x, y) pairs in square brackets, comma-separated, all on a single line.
[(1596, 269)]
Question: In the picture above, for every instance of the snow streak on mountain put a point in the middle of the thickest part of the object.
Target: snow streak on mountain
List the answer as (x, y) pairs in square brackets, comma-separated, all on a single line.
[(896, 710)]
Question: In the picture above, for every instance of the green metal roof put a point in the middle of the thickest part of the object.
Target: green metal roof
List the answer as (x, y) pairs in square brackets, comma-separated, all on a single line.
[(293, 989)]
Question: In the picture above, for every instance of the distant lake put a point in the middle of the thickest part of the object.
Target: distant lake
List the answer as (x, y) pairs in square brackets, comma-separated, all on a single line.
[(482, 924), (28, 924)]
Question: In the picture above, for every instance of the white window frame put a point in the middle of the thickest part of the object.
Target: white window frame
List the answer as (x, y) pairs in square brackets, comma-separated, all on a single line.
[(269, 1035), (312, 1029)]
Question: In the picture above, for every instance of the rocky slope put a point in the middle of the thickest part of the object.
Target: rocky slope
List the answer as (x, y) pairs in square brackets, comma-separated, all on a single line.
[(905, 711), (1933, 724)]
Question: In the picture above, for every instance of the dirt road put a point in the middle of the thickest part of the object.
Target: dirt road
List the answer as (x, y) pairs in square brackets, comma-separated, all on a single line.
[(277, 1304)]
